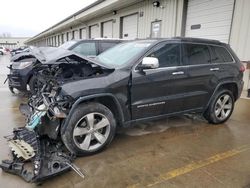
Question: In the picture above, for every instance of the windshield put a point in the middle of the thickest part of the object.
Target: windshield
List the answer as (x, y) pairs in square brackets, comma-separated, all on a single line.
[(122, 53), (68, 44)]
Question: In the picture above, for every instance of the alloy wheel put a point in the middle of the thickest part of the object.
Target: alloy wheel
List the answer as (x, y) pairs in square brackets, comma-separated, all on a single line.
[(91, 131), (223, 106)]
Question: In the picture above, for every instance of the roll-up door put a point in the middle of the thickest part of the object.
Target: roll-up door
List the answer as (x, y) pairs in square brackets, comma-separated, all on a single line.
[(70, 35), (130, 26), (83, 33), (94, 31), (107, 29), (76, 34), (209, 19)]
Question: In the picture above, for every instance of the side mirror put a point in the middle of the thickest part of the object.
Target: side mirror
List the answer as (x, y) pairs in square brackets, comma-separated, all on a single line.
[(149, 63)]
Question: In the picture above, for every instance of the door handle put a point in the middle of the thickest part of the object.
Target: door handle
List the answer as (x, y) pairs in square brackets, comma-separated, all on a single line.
[(214, 69), (178, 73)]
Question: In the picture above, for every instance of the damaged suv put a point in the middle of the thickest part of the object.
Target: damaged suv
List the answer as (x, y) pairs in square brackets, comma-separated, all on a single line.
[(133, 82), (82, 100)]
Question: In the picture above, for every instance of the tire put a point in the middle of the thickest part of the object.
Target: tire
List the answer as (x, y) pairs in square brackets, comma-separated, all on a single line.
[(33, 85), (220, 108), (82, 137), (11, 90), (1, 53)]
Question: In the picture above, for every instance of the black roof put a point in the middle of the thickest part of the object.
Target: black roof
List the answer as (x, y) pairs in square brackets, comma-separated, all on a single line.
[(190, 39), (183, 39), (101, 39)]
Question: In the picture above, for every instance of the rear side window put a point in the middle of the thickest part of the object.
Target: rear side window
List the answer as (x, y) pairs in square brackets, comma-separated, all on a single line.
[(195, 54), (106, 45), (86, 49), (220, 55), (167, 54)]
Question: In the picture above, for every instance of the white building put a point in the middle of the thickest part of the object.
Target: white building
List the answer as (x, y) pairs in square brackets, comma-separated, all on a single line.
[(224, 20), (12, 42)]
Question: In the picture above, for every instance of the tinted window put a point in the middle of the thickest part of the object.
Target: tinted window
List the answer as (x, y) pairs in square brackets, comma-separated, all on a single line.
[(195, 54), (86, 49), (106, 45), (220, 55), (167, 54)]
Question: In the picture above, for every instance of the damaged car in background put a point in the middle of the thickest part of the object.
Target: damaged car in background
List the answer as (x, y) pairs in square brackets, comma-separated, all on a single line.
[(22, 69), (81, 101)]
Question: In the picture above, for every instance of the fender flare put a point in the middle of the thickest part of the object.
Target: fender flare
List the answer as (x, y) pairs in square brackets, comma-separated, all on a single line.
[(85, 98), (217, 88)]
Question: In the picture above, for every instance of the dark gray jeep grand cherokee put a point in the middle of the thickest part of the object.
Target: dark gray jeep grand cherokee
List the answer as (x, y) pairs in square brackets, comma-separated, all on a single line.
[(139, 81)]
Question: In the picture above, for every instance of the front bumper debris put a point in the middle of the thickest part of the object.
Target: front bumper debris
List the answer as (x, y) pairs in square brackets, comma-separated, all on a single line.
[(36, 158)]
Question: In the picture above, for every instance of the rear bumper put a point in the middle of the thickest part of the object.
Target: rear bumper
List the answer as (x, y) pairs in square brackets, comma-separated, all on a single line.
[(240, 88)]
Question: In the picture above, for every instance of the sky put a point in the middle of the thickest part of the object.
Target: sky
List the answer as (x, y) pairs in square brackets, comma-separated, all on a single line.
[(26, 18)]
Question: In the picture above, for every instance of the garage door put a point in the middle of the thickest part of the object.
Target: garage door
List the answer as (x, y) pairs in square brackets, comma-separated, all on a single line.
[(83, 33), (76, 34), (130, 26), (70, 35), (94, 31), (107, 29), (209, 19)]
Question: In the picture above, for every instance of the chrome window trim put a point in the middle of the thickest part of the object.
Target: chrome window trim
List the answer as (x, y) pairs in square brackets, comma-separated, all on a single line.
[(184, 66)]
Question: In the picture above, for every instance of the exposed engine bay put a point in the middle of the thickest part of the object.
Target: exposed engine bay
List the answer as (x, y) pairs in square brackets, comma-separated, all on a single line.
[(68, 69), (37, 150)]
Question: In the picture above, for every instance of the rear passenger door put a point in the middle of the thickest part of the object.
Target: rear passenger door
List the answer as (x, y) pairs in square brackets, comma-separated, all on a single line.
[(222, 63), (201, 78)]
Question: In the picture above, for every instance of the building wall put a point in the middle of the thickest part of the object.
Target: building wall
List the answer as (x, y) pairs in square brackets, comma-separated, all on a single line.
[(13, 42), (240, 34), (170, 13)]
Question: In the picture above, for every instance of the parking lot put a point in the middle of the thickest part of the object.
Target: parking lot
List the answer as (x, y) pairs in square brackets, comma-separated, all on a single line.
[(176, 152)]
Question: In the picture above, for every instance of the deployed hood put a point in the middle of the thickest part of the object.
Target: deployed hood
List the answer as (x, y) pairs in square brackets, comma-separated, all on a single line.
[(53, 55)]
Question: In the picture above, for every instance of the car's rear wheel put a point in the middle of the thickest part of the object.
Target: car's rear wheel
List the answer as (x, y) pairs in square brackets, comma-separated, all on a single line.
[(91, 128), (1, 53), (221, 107)]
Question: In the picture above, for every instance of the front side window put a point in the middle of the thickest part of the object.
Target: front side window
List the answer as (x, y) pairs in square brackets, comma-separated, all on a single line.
[(86, 49), (220, 55), (196, 54), (167, 54)]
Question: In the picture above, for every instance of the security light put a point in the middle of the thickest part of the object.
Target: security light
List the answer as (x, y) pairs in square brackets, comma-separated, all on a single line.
[(156, 4)]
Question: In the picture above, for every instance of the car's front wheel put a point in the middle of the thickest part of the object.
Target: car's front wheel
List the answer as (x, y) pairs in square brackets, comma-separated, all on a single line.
[(91, 128), (221, 107), (34, 85)]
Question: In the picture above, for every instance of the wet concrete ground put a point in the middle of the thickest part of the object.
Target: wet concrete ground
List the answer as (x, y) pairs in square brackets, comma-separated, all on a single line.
[(175, 152)]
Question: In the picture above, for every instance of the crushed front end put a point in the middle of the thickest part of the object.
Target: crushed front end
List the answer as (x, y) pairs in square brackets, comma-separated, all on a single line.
[(37, 152)]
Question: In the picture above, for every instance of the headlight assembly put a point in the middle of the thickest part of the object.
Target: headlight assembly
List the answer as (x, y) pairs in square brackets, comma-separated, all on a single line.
[(21, 65)]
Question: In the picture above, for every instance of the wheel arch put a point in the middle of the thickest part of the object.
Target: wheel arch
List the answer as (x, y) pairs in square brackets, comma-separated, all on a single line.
[(232, 86), (107, 99)]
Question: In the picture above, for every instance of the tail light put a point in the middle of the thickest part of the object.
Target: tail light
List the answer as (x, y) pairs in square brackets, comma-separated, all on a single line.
[(242, 68)]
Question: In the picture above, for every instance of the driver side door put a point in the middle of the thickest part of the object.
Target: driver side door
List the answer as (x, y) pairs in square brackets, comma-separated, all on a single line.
[(150, 87)]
